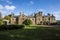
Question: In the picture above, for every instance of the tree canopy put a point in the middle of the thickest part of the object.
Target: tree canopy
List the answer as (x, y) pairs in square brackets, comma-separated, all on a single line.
[(27, 22), (1, 22), (7, 17)]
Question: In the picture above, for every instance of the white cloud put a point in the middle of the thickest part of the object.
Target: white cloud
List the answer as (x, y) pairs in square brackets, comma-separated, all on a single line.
[(10, 7), (57, 15), (1, 7), (4, 12), (7, 9)]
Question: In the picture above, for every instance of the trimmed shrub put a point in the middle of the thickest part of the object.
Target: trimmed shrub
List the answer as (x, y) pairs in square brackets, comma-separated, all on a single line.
[(11, 27), (58, 23), (53, 24), (27, 22)]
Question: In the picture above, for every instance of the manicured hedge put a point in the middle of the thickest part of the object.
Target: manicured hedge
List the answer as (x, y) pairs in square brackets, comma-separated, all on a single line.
[(11, 27), (53, 24)]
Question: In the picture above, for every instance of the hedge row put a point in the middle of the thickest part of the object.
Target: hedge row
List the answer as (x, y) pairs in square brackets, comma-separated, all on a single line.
[(11, 27), (54, 23)]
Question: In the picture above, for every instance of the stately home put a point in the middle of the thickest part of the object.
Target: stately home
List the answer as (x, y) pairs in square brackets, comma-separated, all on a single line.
[(37, 18)]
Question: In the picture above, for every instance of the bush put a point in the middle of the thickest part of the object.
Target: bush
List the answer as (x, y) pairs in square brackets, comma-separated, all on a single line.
[(27, 22), (58, 23), (53, 24), (1, 22), (11, 27)]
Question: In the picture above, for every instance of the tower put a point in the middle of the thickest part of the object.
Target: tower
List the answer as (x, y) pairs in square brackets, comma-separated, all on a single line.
[(48, 14), (20, 13), (12, 14), (38, 17), (40, 13)]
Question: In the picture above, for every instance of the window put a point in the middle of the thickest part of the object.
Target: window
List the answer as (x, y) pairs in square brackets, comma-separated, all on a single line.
[(23, 16), (32, 19), (48, 18), (39, 19), (23, 19)]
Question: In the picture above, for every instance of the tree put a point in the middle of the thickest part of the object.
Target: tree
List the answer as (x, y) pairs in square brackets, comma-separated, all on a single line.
[(27, 22), (1, 22), (7, 17)]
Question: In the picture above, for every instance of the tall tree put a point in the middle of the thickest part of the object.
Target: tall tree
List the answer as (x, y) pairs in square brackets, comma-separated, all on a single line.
[(7, 17)]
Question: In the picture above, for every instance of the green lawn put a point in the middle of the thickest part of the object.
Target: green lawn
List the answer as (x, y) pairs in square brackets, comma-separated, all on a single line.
[(41, 33)]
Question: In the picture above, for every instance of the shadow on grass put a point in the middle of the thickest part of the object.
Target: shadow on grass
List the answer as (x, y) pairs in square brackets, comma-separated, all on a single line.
[(33, 34)]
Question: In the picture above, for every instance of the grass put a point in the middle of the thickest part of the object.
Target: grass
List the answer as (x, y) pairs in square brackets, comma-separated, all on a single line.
[(42, 33)]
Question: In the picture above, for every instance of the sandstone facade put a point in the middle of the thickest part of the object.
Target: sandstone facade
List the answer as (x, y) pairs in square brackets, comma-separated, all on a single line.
[(37, 18)]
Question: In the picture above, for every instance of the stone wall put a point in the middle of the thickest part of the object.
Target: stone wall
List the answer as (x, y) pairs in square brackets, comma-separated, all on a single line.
[(38, 18)]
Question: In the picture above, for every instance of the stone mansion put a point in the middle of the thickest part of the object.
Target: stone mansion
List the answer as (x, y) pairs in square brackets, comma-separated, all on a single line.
[(37, 18)]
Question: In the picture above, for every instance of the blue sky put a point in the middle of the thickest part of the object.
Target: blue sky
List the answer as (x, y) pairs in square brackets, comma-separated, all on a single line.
[(30, 6)]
